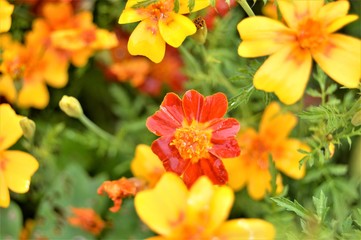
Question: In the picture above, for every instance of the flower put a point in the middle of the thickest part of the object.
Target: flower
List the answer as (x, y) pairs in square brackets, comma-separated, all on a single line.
[(175, 212), (87, 219), (308, 33), (119, 189), (16, 167), (6, 9), (146, 165), (159, 25), (194, 136), (251, 168)]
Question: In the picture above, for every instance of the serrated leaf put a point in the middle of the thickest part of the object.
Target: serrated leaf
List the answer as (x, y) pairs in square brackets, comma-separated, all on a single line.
[(292, 206), (338, 170), (144, 3), (313, 93), (331, 89), (321, 206), (191, 4)]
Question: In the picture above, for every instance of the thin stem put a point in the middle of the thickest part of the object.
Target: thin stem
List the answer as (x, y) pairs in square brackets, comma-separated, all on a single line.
[(246, 7), (94, 128)]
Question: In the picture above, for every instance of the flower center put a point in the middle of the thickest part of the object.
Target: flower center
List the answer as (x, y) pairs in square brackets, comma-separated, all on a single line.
[(160, 9), (311, 34), (260, 153), (192, 143)]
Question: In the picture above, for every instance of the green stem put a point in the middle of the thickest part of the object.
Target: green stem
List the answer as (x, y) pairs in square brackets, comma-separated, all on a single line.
[(94, 128), (246, 7)]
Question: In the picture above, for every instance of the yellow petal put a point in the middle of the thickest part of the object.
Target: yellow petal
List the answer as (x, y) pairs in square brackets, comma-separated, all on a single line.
[(289, 159), (175, 28), (341, 59), (34, 95), (198, 5), (56, 69), (147, 41), (4, 192), (333, 11), (250, 228), (262, 36), (80, 58), (130, 15), (237, 173), (276, 125), (10, 130), (6, 10), (163, 207), (19, 167), (7, 88), (146, 165), (286, 73), (295, 11), (259, 183), (341, 22)]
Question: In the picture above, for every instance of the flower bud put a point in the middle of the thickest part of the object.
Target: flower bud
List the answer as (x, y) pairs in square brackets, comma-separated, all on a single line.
[(71, 106), (201, 35), (28, 127)]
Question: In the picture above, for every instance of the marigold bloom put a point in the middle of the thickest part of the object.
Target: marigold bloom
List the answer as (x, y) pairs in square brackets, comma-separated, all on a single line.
[(6, 9), (251, 168), (194, 136), (87, 219), (175, 212), (308, 33), (16, 167), (146, 165), (159, 25), (119, 189)]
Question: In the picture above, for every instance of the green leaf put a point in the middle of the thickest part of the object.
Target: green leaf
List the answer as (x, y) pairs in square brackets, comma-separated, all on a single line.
[(176, 6), (292, 206), (11, 221), (191, 4), (144, 3), (321, 206), (273, 171)]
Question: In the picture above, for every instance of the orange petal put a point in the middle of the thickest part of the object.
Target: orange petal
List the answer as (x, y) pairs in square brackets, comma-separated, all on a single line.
[(147, 41), (262, 36), (56, 69), (258, 183), (341, 59), (7, 88), (10, 130), (286, 73), (163, 207), (250, 228), (4, 192), (175, 28), (34, 95), (19, 167)]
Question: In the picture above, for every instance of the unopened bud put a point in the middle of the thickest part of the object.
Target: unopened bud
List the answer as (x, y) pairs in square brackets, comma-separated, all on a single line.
[(201, 35), (71, 106), (356, 119), (28, 127)]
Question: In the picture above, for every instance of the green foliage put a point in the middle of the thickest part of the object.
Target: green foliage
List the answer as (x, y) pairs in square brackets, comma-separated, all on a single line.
[(11, 221)]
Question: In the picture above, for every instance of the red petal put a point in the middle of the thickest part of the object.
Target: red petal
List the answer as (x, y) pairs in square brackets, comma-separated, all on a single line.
[(192, 105), (169, 155), (225, 148), (192, 173), (214, 169), (168, 118), (215, 106), (224, 128)]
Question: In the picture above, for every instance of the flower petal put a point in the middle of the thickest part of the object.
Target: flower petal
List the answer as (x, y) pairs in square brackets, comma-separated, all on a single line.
[(175, 28), (4, 192), (286, 73), (10, 130), (56, 70), (169, 155), (237, 175), (34, 95), (223, 128), (333, 11), (214, 169), (341, 22), (192, 102), (250, 228), (262, 36), (7, 88), (170, 116), (19, 167), (215, 106), (259, 184), (198, 5), (191, 173), (347, 71), (147, 41), (130, 14), (225, 148), (162, 208)]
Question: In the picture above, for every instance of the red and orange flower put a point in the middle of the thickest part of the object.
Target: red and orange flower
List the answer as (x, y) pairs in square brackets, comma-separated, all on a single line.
[(194, 136)]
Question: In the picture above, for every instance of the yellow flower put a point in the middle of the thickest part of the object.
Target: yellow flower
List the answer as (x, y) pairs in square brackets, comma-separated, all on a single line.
[(175, 212), (308, 33), (159, 25), (6, 9), (146, 165), (251, 168), (16, 167)]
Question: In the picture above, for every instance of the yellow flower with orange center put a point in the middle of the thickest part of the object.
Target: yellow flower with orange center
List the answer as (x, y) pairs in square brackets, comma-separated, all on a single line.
[(175, 212), (308, 33), (159, 25), (6, 9), (251, 168), (16, 167)]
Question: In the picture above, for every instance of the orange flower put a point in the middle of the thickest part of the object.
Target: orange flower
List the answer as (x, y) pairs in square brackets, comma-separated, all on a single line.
[(16, 167), (87, 219), (194, 136), (308, 33), (174, 212), (119, 189), (251, 168)]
